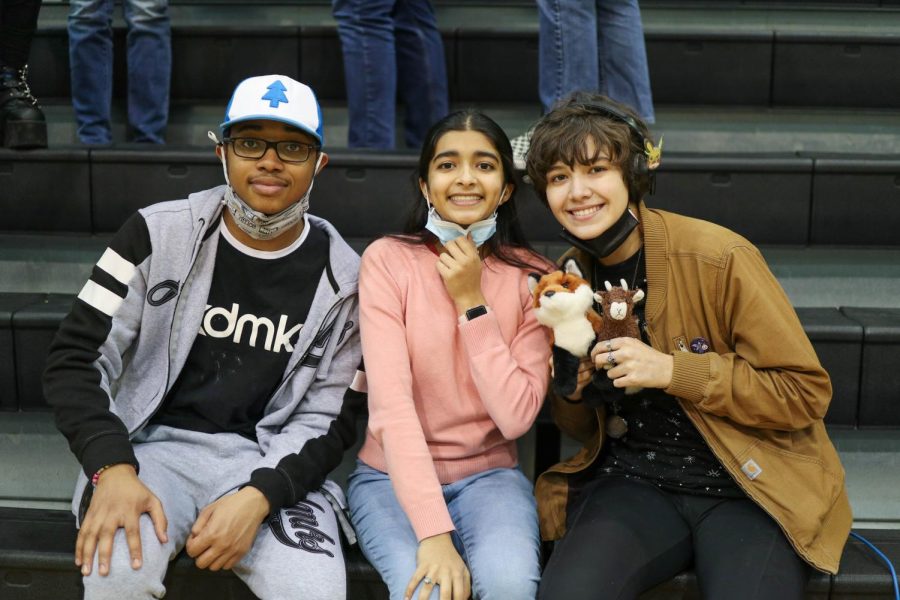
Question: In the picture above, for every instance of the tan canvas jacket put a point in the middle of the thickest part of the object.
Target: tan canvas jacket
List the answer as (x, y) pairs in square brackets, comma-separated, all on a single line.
[(757, 397)]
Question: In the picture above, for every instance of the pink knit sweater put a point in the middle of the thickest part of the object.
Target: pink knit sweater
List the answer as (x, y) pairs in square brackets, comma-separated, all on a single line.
[(446, 400)]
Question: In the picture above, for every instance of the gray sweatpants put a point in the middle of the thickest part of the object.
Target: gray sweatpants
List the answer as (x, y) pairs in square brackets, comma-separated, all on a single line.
[(296, 554)]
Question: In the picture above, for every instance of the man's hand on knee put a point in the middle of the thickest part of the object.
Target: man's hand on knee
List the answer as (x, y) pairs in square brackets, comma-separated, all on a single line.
[(118, 502), (225, 530)]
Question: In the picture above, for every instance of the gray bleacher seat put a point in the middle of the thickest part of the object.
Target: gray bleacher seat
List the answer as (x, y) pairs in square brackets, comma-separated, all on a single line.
[(33, 329), (838, 341), (9, 304), (45, 190), (856, 200), (707, 53), (773, 194), (879, 401), (826, 68), (124, 180)]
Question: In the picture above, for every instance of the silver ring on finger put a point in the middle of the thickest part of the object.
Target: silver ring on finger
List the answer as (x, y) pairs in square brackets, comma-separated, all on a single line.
[(427, 580), (608, 345), (611, 359)]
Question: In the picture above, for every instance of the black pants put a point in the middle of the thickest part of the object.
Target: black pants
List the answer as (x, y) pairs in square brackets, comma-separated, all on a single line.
[(18, 21), (626, 536)]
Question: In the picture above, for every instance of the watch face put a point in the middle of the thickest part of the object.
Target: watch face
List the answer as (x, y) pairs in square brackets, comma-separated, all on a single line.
[(476, 311)]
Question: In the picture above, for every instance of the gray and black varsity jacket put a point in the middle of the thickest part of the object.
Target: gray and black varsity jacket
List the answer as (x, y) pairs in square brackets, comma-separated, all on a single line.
[(128, 335)]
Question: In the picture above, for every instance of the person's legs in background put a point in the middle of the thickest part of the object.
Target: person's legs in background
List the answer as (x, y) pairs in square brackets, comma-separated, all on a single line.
[(91, 64), (624, 75), (149, 68), (422, 70), (22, 123), (366, 29), (567, 51)]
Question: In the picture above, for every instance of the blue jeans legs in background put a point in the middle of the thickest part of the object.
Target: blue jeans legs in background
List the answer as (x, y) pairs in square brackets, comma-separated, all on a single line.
[(594, 45), (149, 54), (495, 516), (391, 48)]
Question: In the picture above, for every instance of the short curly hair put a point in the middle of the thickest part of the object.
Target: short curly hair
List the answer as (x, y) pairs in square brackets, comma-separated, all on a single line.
[(564, 132)]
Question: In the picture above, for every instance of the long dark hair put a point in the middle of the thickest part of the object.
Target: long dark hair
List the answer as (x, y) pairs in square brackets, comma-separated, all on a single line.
[(508, 244)]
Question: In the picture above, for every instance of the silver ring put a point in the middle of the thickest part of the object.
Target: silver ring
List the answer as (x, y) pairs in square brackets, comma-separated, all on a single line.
[(427, 580), (611, 359), (609, 345)]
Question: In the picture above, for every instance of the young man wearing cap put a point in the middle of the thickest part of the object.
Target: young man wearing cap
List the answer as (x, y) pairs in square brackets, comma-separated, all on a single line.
[(202, 375)]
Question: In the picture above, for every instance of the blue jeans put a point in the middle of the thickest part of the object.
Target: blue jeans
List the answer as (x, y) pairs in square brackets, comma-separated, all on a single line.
[(391, 48), (597, 46), (149, 55), (495, 516)]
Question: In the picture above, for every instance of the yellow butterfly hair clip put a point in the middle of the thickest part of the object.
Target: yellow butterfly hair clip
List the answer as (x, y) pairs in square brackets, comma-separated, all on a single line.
[(654, 153)]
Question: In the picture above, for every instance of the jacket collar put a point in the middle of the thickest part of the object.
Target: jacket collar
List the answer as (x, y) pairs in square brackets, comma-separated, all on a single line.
[(656, 246)]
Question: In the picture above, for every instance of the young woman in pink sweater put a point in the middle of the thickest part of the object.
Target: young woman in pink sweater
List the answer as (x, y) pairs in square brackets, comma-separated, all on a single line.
[(457, 368)]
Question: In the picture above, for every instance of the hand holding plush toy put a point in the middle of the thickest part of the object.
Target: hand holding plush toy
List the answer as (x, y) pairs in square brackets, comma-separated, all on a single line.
[(619, 320), (563, 302)]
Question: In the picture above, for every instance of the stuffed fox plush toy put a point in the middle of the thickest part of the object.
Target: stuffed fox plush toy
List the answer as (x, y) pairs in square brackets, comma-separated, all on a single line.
[(563, 302)]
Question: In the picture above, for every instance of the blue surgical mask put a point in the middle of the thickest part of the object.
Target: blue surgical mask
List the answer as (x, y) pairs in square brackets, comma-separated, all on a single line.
[(446, 231)]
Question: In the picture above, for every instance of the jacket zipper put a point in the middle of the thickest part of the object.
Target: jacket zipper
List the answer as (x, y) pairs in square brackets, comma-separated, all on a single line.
[(197, 243), (287, 376)]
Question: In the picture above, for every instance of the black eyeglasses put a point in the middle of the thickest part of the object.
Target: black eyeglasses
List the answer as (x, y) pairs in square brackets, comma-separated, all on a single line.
[(287, 150)]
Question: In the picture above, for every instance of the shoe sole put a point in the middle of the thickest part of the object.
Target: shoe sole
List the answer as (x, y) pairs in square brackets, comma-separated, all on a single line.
[(20, 135)]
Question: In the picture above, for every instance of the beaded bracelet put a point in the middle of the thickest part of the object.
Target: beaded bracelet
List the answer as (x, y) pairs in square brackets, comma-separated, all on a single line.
[(96, 477)]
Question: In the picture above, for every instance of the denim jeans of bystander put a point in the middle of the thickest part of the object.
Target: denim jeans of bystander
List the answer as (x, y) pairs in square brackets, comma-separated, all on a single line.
[(149, 56), (392, 49), (597, 46)]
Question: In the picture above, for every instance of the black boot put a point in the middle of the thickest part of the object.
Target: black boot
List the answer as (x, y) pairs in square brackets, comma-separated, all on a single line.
[(22, 123)]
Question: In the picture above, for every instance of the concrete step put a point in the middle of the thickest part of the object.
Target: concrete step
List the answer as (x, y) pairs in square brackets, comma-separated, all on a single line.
[(782, 199), (698, 53), (686, 129), (811, 276)]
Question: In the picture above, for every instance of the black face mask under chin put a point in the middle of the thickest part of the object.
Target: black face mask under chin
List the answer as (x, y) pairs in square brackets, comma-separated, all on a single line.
[(607, 242)]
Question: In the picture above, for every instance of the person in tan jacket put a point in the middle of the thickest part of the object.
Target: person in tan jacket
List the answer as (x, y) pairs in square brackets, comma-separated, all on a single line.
[(717, 459)]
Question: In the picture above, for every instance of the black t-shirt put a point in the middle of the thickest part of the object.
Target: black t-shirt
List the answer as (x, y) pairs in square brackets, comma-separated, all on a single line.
[(257, 304), (661, 444)]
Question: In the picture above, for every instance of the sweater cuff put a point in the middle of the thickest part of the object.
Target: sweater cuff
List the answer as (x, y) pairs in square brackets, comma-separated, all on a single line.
[(690, 376), (111, 449), (274, 486), (430, 518), (481, 334)]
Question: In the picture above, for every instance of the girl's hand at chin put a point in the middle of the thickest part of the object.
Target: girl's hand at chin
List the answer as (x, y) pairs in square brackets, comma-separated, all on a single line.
[(459, 265)]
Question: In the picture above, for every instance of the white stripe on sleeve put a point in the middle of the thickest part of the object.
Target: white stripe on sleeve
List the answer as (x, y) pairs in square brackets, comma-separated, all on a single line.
[(116, 266), (100, 298)]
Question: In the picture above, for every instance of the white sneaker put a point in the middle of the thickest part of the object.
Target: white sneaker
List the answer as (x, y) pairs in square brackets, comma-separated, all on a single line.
[(520, 146)]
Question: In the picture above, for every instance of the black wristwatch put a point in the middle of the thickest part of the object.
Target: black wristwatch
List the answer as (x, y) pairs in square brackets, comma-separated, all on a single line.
[(475, 312)]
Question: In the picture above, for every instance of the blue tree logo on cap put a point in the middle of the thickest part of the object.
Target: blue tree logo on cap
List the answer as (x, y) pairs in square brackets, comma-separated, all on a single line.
[(275, 95)]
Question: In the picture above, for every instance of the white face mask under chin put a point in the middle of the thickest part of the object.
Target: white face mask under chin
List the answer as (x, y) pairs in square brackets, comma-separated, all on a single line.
[(261, 226), (446, 231)]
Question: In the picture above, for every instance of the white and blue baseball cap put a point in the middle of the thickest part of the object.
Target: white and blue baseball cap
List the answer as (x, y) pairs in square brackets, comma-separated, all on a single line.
[(276, 98)]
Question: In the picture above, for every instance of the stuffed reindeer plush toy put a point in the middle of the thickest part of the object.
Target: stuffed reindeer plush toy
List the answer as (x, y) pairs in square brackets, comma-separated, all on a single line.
[(619, 320), (563, 302)]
